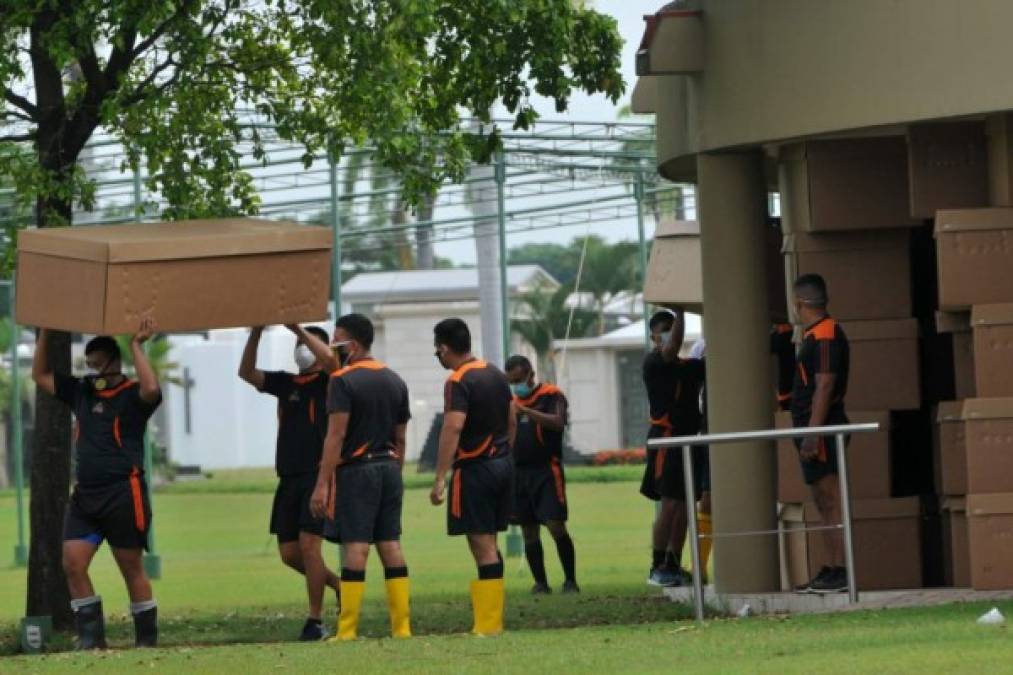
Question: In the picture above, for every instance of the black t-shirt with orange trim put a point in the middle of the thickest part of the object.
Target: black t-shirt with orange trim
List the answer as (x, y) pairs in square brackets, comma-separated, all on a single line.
[(109, 428), (824, 349), (783, 349), (302, 420), (376, 400), (536, 445), (482, 393), (673, 395)]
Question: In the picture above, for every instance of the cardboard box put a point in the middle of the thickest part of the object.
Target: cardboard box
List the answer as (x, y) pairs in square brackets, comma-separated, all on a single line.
[(999, 134), (845, 184), (793, 546), (993, 349), (868, 274), (989, 444), (190, 275), (674, 275), (958, 326), (948, 166), (868, 461), (879, 348), (990, 540), (956, 551), (950, 449), (887, 540), (974, 250)]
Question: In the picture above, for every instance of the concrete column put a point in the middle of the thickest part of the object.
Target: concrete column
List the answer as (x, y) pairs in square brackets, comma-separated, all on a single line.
[(732, 212)]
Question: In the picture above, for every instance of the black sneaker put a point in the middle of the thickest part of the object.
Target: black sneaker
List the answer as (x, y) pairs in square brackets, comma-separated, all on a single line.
[(570, 586), (684, 577), (836, 581), (313, 631), (808, 586), (541, 589)]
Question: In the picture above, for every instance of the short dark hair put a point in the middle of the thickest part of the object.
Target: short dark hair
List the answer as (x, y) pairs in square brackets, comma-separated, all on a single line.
[(453, 333), (663, 318), (105, 345), (318, 332), (811, 289), (359, 327), (518, 361)]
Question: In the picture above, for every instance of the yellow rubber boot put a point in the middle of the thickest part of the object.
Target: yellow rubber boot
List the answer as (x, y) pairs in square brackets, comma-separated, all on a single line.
[(351, 603), (398, 605), (705, 527), (487, 598)]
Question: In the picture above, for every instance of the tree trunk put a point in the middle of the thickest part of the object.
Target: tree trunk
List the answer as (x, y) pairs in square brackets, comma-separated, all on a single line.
[(425, 257)]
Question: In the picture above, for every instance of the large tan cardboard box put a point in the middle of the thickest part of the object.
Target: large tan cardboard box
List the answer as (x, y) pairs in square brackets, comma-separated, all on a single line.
[(958, 325), (674, 275), (950, 449), (974, 249), (884, 371), (989, 444), (887, 540), (956, 553), (993, 349), (868, 274), (189, 275), (948, 166), (990, 540), (868, 461), (845, 184), (793, 545)]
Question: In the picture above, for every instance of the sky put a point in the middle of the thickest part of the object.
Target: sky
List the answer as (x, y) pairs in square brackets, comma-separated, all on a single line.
[(629, 15)]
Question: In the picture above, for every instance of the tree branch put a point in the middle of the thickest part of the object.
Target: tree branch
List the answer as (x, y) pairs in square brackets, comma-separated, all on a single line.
[(19, 138), (23, 103), (16, 115), (141, 90), (146, 43)]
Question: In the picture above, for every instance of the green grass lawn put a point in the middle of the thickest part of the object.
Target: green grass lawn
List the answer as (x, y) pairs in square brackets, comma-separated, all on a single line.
[(226, 602)]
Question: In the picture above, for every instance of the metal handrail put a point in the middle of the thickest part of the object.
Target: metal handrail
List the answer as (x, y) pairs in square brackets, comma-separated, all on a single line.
[(687, 443)]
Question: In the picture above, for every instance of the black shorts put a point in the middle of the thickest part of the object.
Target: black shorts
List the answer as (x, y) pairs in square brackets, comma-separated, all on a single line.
[(664, 477), (480, 497), (539, 494), (119, 512), (825, 463), (369, 500), (290, 513)]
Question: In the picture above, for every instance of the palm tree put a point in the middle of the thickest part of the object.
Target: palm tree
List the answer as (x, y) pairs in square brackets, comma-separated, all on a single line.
[(608, 271), (544, 314), (158, 356)]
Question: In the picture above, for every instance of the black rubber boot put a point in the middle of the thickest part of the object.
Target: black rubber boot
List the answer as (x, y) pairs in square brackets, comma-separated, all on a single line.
[(146, 628), (91, 627)]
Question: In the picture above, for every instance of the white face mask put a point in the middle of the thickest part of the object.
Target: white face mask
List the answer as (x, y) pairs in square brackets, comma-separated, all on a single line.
[(304, 358)]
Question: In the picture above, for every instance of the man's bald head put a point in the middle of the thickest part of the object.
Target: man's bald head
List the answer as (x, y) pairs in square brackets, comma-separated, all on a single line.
[(811, 291)]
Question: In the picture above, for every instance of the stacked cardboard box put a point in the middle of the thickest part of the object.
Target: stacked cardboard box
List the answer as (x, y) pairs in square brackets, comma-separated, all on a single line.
[(846, 215), (975, 435)]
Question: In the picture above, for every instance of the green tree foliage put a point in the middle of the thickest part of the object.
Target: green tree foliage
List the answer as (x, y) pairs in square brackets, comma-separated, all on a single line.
[(543, 317), (172, 81)]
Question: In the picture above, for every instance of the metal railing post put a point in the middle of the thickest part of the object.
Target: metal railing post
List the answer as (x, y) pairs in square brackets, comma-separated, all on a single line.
[(849, 547), (694, 535)]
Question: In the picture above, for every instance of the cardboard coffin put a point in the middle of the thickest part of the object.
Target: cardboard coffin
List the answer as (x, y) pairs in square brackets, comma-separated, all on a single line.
[(958, 326), (950, 449), (674, 275), (868, 274), (845, 184), (974, 250), (989, 444), (884, 372), (956, 553), (993, 349), (189, 275), (990, 540), (948, 166)]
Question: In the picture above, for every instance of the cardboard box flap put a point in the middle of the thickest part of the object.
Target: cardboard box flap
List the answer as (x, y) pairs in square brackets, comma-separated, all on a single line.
[(143, 242), (953, 322), (989, 504), (890, 329), (954, 504), (992, 315), (988, 409), (950, 411), (969, 220), (677, 228), (828, 242)]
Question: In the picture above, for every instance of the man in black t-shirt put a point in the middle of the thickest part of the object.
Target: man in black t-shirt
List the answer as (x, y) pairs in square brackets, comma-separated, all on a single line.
[(478, 429), (673, 392), (817, 399), (359, 479), (110, 498), (302, 425), (539, 482)]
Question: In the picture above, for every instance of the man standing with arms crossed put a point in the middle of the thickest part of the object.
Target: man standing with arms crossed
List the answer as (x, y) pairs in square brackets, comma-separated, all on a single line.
[(817, 399), (478, 430), (110, 498), (360, 474), (302, 424)]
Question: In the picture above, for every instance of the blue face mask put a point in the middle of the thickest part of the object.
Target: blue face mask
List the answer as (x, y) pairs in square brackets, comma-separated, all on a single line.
[(521, 390)]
